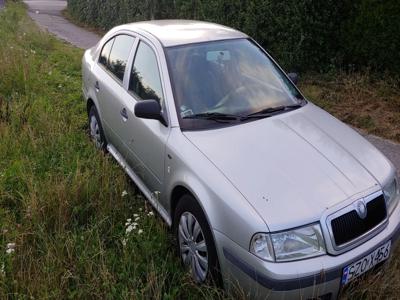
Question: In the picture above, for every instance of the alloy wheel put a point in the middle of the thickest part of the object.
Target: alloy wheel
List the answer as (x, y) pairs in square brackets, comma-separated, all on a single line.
[(193, 248), (95, 132)]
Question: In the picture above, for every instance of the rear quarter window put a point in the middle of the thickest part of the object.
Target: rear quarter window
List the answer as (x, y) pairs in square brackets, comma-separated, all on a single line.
[(105, 53)]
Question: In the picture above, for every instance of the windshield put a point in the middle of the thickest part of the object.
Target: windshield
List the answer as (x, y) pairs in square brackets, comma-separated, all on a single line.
[(232, 77)]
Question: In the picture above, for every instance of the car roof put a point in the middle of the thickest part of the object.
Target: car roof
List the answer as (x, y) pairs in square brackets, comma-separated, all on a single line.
[(181, 32)]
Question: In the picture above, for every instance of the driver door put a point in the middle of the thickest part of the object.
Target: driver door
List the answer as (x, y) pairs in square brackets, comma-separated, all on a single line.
[(145, 139)]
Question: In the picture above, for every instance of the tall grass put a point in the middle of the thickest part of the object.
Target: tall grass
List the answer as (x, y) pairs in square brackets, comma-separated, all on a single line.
[(62, 202), (367, 101)]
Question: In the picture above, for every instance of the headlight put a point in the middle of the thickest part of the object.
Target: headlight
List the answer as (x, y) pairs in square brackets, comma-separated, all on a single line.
[(295, 244), (391, 194)]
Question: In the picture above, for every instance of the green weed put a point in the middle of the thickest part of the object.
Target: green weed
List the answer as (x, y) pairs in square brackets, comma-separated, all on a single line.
[(62, 202)]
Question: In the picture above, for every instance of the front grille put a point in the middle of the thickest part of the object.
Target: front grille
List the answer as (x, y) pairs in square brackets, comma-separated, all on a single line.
[(349, 226)]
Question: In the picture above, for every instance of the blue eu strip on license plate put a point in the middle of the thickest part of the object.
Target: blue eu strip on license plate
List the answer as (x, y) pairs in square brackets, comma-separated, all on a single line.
[(366, 263)]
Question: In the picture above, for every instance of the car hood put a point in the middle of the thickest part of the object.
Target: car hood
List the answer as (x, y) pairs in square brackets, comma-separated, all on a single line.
[(292, 167)]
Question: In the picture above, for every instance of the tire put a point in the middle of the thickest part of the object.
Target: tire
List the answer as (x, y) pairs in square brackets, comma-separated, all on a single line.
[(96, 130), (188, 219)]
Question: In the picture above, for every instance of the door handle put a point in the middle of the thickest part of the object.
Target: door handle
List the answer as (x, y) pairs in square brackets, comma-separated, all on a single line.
[(97, 86), (124, 114)]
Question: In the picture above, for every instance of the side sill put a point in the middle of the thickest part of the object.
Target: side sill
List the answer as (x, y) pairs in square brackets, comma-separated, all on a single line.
[(147, 193)]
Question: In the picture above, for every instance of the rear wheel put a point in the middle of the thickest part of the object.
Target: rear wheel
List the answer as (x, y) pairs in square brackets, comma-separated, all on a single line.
[(195, 242), (96, 130)]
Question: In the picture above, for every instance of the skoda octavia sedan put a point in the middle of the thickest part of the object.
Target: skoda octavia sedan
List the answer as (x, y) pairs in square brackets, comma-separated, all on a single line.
[(265, 192)]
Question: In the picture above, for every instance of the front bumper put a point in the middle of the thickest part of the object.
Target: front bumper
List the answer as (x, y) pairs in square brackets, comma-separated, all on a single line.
[(319, 277)]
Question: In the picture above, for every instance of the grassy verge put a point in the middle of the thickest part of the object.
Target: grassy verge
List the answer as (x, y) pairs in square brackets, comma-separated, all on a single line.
[(362, 100), (62, 203)]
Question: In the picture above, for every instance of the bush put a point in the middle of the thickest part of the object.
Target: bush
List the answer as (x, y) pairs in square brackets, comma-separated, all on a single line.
[(302, 34), (372, 36)]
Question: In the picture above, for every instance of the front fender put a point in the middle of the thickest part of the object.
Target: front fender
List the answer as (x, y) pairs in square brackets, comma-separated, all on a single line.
[(226, 209)]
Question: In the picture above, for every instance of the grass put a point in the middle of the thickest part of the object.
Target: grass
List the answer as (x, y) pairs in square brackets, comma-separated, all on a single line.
[(359, 99), (61, 200), (63, 203)]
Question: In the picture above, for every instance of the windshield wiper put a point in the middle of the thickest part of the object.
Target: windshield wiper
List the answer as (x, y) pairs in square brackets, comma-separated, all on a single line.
[(215, 116), (226, 118), (270, 111)]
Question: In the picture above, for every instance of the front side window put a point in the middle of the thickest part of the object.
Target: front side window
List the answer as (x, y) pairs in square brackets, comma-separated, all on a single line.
[(145, 80), (119, 55), (231, 77)]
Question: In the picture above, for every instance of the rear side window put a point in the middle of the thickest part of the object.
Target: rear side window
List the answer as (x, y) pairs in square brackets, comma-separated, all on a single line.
[(119, 55), (145, 79), (105, 53)]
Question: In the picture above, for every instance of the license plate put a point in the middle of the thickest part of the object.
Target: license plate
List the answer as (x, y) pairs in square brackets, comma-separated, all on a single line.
[(366, 263)]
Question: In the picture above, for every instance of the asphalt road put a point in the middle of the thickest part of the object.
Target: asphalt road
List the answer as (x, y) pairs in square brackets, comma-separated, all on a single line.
[(48, 15)]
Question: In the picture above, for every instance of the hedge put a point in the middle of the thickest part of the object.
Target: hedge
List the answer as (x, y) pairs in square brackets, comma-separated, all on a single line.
[(302, 34)]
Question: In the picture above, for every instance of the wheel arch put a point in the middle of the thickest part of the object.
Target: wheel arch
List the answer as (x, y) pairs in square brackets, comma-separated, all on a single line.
[(89, 104), (176, 194)]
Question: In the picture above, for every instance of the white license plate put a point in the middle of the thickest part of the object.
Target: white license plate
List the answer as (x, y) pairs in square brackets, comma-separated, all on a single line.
[(366, 263)]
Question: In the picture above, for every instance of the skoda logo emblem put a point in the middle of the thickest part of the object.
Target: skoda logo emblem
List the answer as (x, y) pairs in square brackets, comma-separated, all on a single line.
[(361, 209)]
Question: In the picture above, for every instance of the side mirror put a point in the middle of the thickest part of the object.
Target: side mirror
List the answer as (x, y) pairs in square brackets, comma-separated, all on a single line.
[(293, 77), (149, 109)]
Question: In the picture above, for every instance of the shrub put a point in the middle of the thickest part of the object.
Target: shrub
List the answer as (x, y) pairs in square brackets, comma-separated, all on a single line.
[(302, 34)]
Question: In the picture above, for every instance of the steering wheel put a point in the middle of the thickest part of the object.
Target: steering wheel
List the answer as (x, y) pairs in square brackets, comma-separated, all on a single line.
[(226, 100)]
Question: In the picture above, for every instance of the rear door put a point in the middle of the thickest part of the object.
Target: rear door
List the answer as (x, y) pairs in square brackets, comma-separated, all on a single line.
[(109, 85)]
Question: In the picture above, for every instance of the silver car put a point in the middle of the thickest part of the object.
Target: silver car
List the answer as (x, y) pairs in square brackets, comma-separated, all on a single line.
[(263, 189)]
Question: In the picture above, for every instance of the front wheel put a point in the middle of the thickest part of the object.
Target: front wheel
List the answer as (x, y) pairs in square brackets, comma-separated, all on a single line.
[(195, 241)]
